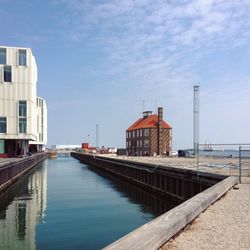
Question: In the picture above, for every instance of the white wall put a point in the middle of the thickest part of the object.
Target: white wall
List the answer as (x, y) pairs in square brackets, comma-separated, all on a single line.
[(41, 116), (22, 87)]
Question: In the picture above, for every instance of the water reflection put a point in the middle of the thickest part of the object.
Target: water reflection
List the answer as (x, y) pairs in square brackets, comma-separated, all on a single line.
[(86, 209), (148, 202), (22, 207)]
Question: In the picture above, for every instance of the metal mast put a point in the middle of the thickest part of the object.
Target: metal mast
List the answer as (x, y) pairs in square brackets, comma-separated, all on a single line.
[(97, 136), (196, 119)]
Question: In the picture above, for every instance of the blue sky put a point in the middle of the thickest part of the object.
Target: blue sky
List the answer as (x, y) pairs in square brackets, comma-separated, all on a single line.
[(97, 61)]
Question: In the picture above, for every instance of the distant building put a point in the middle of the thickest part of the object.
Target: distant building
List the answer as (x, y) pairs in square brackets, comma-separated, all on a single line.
[(149, 135), (65, 147), (23, 115)]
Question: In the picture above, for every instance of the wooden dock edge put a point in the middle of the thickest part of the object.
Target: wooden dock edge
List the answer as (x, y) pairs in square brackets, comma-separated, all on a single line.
[(157, 232)]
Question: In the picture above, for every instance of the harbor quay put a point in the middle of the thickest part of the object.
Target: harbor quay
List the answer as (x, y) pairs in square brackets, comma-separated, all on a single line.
[(12, 169), (217, 217)]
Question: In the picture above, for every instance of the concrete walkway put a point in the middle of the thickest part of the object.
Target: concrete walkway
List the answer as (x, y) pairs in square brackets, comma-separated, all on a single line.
[(224, 225), (4, 161)]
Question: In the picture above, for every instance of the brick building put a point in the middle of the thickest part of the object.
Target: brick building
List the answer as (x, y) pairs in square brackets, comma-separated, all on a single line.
[(149, 135)]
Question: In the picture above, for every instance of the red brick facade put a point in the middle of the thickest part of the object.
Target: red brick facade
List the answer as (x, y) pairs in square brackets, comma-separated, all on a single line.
[(149, 136)]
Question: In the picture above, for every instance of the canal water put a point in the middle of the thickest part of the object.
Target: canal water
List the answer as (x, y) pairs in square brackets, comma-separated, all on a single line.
[(64, 204)]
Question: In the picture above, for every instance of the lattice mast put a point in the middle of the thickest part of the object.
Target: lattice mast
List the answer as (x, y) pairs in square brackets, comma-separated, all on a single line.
[(97, 136), (196, 119)]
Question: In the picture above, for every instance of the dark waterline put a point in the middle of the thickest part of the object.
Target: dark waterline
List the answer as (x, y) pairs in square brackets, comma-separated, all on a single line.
[(64, 204)]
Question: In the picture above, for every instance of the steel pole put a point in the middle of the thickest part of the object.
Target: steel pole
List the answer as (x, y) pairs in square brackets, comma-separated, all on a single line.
[(239, 164)]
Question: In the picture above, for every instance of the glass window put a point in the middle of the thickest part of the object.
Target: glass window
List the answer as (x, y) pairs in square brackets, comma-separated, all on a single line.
[(7, 74), (22, 125), (2, 56), (22, 57), (146, 132), (22, 108), (146, 143), (3, 124)]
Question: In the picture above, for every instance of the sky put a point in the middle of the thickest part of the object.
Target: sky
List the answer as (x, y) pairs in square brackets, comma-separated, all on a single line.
[(98, 60)]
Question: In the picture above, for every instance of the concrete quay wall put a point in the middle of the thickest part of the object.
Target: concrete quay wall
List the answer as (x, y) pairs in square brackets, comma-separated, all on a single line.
[(171, 183), (11, 171)]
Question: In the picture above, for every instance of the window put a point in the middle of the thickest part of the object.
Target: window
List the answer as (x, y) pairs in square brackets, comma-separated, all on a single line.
[(7, 76), (146, 132), (22, 57), (146, 143), (2, 56), (22, 125), (141, 132), (3, 124), (22, 117), (22, 108)]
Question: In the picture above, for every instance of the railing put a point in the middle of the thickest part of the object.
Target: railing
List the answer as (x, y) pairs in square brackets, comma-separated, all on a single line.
[(228, 159), (244, 161), (10, 171)]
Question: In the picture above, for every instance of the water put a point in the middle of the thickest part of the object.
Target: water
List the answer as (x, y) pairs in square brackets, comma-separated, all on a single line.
[(226, 153), (63, 204)]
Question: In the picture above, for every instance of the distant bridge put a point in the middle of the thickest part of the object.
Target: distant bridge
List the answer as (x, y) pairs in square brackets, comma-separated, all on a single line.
[(62, 152)]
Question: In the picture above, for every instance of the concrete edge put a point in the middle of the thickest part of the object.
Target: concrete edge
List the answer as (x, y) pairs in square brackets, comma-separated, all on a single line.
[(157, 232)]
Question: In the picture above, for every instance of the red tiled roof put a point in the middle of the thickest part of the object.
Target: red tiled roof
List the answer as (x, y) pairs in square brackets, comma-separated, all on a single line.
[(150, 122)]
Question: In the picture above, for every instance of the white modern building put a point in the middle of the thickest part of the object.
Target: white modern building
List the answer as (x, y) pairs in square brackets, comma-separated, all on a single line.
[(23, 115)]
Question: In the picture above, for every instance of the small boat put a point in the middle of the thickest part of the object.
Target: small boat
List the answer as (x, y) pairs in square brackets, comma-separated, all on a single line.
[(52, 154)]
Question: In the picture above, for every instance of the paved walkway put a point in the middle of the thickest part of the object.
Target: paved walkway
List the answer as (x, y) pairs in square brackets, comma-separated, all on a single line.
[(4, 161), (224, 225)]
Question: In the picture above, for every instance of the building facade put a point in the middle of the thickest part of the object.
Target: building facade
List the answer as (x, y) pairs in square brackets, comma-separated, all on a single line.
[(21, 118), (149, 135)]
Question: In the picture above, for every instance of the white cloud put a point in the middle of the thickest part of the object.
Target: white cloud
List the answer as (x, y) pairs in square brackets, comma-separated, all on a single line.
[(153, 46)]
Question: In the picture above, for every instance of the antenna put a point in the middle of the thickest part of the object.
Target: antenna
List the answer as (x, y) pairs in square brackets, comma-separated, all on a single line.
[(196, 119), (143, 105)]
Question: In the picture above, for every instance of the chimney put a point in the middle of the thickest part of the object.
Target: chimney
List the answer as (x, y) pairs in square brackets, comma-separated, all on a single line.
[(159, 139)]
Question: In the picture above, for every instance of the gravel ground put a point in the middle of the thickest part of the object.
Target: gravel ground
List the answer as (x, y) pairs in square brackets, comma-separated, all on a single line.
[(224, 225)]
